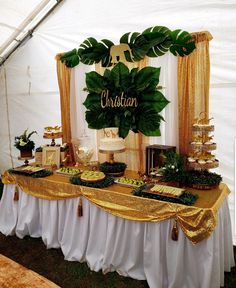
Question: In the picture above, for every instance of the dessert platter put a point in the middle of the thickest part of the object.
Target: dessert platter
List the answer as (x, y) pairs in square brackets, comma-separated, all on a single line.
[(129, 182), (164, 190), (28, 170), (69, 171), (92, 176)]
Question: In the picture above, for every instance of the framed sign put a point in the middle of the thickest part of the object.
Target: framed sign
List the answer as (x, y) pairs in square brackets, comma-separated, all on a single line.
[(51, 156)]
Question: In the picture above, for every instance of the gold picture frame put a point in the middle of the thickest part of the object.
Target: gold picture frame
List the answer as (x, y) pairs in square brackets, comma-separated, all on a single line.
[(51, 156)]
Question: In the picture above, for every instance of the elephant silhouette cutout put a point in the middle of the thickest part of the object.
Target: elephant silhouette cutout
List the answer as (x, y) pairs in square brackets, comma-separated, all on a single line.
[(117, 53)]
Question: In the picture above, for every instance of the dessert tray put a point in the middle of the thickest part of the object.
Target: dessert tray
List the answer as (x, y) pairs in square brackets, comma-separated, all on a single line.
[(92, 176), (166, 193), (28, 170), (163, 190), (129, 182), (69, 171)]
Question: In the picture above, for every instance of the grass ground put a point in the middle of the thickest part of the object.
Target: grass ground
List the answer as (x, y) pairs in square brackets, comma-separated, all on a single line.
[(31, 253)]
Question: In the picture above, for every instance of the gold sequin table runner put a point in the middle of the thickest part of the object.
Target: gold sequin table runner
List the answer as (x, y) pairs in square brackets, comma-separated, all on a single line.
[(197, 222)]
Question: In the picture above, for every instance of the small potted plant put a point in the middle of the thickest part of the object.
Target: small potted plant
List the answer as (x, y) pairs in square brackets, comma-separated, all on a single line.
[(24, 144), (173, 171)]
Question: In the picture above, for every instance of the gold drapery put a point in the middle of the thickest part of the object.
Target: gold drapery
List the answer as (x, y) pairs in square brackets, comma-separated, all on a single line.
[(63, 76), (193, 87), (134, 155), (197, 222)]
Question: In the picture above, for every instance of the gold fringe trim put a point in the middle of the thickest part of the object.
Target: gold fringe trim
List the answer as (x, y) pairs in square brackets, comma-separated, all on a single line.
[(80, 208)]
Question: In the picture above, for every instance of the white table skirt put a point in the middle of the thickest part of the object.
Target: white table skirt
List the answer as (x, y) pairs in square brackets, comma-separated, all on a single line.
[(140, 250)]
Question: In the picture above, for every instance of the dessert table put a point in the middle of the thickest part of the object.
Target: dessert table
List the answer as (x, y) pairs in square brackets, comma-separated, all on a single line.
[(123, 233)]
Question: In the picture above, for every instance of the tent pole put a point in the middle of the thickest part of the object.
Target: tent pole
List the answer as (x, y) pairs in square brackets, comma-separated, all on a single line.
[(29, 34)]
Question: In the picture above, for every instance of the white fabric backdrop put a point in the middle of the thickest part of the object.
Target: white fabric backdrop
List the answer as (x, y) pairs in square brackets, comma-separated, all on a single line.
[(31, 72), (141, 250)]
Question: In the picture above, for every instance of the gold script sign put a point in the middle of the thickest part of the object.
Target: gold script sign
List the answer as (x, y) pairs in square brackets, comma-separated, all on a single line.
[(117, 101)]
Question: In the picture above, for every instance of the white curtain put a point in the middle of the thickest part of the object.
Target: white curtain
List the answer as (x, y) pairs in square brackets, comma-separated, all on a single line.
[(79, 128)]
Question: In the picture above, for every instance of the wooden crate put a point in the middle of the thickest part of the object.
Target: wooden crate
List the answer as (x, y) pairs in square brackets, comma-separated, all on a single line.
[(155, 156)]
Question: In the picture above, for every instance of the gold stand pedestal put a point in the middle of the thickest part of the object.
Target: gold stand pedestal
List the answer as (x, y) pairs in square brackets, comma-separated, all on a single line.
[(26, 159), (111, 161), (111, 154), (53, 137)]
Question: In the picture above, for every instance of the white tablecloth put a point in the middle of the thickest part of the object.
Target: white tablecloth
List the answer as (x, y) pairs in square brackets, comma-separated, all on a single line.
[(141, 250)]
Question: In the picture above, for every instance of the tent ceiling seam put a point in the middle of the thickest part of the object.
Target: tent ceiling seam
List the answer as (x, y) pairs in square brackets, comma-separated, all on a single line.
[(28, 35)]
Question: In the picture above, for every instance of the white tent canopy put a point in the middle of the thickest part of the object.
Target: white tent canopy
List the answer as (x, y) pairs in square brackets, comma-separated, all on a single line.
[(29, 96)]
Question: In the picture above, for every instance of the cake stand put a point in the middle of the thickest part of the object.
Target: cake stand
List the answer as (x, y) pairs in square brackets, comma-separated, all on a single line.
[(111, 163), (53, 137), (26, 159)]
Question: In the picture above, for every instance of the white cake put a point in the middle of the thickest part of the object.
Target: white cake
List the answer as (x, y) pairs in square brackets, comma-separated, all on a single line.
[(111, 140)]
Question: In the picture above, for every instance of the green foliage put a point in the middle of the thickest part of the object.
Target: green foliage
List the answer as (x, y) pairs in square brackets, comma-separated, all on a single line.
[(108, 181), (182, 43), (23, 141), (71, 58), (153, 42), (42, 174), (203, 178), (174, 170), (117, 167), (39, 174), (139, 84)]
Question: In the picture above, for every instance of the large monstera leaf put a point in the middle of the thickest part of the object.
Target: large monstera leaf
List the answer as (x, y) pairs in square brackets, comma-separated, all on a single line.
[(153, 42), (71, 58), (161, 47), (139, 84), (156, 41), (182, 43), (92, 51)]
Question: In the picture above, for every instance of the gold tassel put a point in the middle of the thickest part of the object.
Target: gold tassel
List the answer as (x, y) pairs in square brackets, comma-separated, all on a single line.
[(16, 194), (80, 208), (175, 231)]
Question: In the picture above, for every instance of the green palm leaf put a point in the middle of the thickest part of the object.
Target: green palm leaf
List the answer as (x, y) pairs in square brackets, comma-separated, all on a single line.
[(91, 100), (156, 98), (182, 43), (96, 119), (162, 46), (125, 125), (119, 75), (145, 76), (95, 82), (92, 51), (118, 81), (149, 122), (71, 58)]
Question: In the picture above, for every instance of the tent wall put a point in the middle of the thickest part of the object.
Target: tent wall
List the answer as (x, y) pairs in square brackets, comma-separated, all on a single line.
[(28, 79)]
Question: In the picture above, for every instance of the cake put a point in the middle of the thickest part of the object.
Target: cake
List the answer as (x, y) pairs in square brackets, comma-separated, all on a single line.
[(111, 140), (92, 176), (50, 132)]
